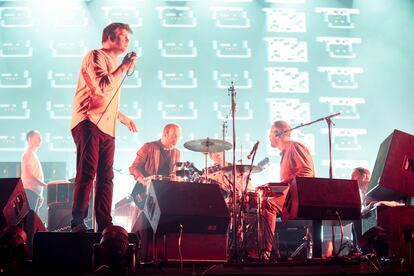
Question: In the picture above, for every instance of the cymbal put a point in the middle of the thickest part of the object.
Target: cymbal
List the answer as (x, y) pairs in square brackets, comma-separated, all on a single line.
[(207, 145), (242, 169)]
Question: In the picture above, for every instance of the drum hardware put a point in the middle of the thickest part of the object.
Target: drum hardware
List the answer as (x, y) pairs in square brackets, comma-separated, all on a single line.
[(188, 171), (242, 169), (206, 146), (183, 173), (307, 244), (243, 212)]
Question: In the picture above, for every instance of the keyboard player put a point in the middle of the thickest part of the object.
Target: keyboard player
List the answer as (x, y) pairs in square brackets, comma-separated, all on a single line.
[(296, 160)]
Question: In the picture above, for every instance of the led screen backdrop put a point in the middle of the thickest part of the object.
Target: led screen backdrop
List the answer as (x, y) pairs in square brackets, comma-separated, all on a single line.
[(295, 60)]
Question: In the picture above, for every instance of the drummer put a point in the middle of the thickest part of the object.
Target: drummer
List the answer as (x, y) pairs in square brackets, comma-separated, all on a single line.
[(215, 172)]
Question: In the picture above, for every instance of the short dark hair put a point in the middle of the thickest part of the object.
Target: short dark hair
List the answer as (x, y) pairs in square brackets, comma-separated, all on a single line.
[(31, 133), (361, 171), (109, 31)]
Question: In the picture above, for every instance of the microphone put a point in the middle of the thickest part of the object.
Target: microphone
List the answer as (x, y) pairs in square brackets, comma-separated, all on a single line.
[(131, 54), (333, 115), (254, 149), (129, 57), (279, 133)]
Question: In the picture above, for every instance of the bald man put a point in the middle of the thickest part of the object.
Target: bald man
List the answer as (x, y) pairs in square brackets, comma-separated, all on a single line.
[(155, 158), (296, 160)]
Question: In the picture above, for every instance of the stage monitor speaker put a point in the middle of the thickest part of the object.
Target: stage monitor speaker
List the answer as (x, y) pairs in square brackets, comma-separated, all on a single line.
[(321, 198), (31, 224), (194, 207), (63, 253), (393, 174), (13, 201), (195, 211), (66, 253)]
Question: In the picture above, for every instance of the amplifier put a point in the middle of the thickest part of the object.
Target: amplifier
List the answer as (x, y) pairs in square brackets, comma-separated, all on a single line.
[(397, 222), (59, 191)]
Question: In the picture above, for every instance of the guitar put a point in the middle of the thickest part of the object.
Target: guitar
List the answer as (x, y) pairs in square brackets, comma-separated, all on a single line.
[(139, 192)]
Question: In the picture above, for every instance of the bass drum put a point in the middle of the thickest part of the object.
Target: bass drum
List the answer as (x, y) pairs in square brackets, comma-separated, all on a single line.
[(217, 177)]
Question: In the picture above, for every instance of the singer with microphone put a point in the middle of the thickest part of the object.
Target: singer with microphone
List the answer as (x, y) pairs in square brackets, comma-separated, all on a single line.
[(93, 126)]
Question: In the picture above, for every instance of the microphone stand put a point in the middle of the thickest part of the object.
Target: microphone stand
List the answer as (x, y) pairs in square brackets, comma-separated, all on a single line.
[(234, 253), (328, 120), (243, 206), (224, 129), (317, 224)]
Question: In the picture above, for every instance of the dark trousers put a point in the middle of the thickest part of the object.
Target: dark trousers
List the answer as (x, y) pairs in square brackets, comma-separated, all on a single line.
[(95, 157), (356, 231), (33, 200)]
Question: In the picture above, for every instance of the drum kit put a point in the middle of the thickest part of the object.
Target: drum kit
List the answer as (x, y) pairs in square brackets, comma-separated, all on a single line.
[(245, 205), (206, 146)]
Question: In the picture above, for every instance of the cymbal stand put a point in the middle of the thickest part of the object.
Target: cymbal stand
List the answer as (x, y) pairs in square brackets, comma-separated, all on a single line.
[(206, 167), (260, 236), (224, 130), (234, 249), (306, 244), (243, 213)]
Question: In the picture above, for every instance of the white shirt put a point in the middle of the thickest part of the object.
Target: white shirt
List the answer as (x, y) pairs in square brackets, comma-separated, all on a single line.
[(32, 172), (95, 89)]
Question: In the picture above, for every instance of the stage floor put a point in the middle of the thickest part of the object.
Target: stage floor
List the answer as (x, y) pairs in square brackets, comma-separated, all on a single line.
[(342, 266)]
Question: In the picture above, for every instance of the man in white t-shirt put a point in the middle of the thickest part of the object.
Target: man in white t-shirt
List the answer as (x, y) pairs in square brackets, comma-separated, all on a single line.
[(32, 172)]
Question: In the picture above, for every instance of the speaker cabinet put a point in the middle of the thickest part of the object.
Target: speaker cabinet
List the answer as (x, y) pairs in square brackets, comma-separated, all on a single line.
[(321, 198), (66, 253), (13, 201), (31, 224), (196, 207), (398, 223), (195, 211), (393, 174), (60, 192)]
